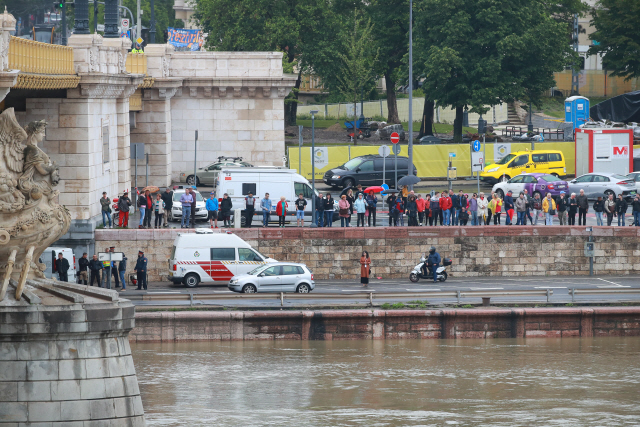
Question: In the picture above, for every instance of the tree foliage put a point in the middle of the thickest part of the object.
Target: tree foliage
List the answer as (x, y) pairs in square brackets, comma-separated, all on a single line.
[(618, 37), (475, 53)]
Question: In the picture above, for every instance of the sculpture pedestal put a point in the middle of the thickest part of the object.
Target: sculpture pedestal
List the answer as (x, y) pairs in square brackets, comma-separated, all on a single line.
[(65, 358)]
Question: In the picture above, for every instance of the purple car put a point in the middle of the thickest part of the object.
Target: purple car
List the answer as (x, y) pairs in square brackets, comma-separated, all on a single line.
[(534, 183)]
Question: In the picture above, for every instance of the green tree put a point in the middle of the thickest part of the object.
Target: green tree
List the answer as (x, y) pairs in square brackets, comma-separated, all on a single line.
[(289, 26), (475, 53), (357, 61), (617, 36)]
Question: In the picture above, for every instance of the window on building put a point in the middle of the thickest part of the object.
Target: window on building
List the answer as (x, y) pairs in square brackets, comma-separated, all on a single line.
[(105, 144)]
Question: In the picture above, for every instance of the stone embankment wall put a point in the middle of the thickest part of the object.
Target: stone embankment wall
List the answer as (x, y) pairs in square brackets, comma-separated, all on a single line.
[(334, 253), (381, 324)]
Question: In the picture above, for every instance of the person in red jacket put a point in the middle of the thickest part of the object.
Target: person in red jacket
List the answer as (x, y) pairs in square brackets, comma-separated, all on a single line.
[(281, 210), (445, 208), (421, 203)]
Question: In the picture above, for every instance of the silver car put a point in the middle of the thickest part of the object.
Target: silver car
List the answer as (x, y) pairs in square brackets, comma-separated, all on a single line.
[(209, 174), (176, 210), (597, 184), (275, 277), (635, 177)]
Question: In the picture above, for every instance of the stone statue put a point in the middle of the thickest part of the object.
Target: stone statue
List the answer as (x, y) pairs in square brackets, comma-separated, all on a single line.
[(30, 218)]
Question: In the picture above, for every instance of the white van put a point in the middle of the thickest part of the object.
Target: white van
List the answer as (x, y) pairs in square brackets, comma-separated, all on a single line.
[(209, 257), (48, 257), (277, 181)]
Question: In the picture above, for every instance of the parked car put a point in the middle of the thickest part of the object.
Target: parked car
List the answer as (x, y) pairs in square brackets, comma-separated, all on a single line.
[(635, 176), (274, 277), (367, 170), (550, 162), (540, 183), (602, 184), (385, 132), (208, 175), (176, 210)]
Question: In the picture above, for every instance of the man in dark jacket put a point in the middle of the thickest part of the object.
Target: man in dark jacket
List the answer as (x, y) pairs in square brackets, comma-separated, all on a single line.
[(95, 267), (434, 262), (621, 209), (114, 268), (83, 264), (455, 208), (319, 210), (583, 207), (124, 203), (141, 270), (167, 198), (250, 209), (636, 210), (391, 202), (562, 202), (62, 267), (529, 207), (507, 206)]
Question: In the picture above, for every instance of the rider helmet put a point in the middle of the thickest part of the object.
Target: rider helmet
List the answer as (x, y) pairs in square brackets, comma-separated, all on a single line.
[(432, 249)]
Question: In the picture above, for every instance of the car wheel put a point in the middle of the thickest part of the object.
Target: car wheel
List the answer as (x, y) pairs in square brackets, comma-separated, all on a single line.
[(500, 193), (413, 277), (191, 181), (249, 289), (191, 280), (349, 182), (609, 192), (556, 175), (505, 178), (303, 288)]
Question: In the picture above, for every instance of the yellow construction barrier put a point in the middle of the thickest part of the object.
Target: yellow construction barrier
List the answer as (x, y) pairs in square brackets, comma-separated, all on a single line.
[(430, 160)]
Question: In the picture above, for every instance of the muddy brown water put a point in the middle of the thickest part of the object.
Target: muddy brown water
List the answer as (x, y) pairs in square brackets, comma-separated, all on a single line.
[(507, 382)]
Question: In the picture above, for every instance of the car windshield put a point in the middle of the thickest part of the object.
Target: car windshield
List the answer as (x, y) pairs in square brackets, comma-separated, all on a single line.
[(176, 197), (548, 178), (257, 270), (352, 164), (506, 159)]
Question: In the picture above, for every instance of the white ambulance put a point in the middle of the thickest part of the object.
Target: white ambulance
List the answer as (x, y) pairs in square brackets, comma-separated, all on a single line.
[(211, 257)]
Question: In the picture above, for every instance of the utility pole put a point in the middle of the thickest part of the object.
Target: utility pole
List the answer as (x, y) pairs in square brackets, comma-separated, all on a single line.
[(138, 21), (152, 25), (575, 75), (313, 165), (410, 145), (64, 23)]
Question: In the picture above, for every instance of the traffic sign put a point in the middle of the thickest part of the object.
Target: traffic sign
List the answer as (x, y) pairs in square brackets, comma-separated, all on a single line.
[(476, 146), (395, 138), (452, 154), (477, 162), (124, 24), (384, 150), (139, 40), (396, 149), (100, 27)]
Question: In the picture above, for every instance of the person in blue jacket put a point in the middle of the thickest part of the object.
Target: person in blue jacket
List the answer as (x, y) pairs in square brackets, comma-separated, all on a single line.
[(212, 209), (372, 203), (434, 262), (141, 270)]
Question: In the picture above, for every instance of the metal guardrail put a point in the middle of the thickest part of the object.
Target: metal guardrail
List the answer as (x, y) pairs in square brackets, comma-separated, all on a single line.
[(30, 56), (547, 133), (169, 296), (573, 292)]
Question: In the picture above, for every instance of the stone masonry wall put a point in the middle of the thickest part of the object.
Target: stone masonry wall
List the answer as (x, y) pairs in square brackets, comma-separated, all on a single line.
[(381, 324), (476, 251)]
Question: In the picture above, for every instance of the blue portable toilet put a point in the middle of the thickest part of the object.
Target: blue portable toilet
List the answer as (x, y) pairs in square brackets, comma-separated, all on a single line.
[(576, 110)]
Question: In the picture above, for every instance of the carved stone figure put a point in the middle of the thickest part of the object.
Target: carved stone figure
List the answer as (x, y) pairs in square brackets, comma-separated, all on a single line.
[(30, 218)]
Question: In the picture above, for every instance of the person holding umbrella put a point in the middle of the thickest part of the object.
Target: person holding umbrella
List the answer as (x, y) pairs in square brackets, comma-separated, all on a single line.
[(372, 202), (391, 202)]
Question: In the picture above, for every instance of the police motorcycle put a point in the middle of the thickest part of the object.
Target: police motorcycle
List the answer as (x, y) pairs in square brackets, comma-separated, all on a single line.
[(417, 272)]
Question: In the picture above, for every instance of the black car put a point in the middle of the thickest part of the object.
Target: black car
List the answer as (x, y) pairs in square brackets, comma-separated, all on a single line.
[(367, 170)]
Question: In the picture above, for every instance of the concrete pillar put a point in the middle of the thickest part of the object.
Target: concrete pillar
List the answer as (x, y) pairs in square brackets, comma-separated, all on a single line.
[(123, 147)]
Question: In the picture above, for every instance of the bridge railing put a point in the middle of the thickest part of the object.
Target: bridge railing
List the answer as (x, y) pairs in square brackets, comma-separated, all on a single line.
[(137, 63), (30, 56)]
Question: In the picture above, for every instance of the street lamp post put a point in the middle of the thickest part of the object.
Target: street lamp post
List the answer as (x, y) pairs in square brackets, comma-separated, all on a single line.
[(530, 125), (152, 24), (313, 167), (410, 145), (81, 17)]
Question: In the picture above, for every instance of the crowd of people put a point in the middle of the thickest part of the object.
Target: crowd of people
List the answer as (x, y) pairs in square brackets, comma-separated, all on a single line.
[(447, 208), (92, 271)]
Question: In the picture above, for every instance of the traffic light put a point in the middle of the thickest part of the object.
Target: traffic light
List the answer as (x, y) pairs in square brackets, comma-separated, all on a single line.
[(58, 4)]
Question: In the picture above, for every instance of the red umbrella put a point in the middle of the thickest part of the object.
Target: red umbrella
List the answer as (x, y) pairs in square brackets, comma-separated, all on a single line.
[(375, 189)]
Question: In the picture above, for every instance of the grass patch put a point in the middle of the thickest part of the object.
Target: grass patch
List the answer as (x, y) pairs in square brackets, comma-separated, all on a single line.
[(467, 306)]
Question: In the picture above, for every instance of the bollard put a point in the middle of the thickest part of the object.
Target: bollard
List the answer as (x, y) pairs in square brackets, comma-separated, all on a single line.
[(371, 299), (548, 295), (458, 292), (237, 218)]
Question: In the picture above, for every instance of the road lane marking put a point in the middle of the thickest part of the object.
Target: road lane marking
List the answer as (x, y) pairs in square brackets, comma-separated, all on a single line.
[(613, 286), (485, 289), (613, 283), (423, 290), (358, 290), (550, 287)]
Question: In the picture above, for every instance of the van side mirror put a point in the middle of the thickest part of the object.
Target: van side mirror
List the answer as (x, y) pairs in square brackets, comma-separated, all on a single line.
[(357, 169)]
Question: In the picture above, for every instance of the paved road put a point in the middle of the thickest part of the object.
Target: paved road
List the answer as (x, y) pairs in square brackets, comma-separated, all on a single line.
[(559, 285)]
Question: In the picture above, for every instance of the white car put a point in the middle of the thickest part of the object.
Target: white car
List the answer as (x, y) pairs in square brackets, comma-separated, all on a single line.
[(635, 176), (176, 209)]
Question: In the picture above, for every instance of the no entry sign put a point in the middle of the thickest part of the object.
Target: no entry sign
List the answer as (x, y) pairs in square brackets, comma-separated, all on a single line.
[(395, 138)]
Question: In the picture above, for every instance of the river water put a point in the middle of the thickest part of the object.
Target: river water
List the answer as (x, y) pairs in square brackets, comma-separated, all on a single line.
[(502, 382)]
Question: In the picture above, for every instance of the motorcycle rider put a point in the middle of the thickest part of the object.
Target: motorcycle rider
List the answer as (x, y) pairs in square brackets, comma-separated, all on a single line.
[(434, 262)]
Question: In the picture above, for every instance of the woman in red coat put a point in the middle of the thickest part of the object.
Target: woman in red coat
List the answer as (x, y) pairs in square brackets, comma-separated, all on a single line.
[(281, 210)]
